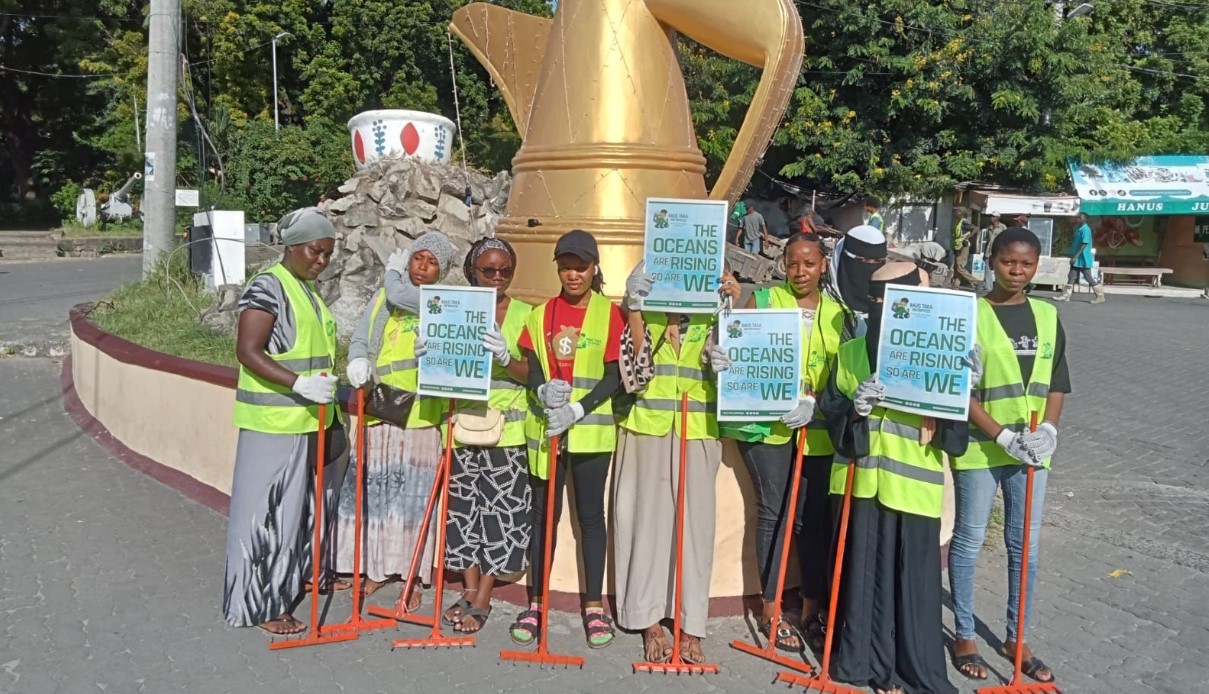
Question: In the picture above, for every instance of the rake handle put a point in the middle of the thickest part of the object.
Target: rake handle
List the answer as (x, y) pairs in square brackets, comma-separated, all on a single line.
[(841, 541), (1018, 672), (317, 519)]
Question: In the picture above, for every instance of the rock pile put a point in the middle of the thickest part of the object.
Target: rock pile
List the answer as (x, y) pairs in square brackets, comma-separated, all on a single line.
[(382, 209)]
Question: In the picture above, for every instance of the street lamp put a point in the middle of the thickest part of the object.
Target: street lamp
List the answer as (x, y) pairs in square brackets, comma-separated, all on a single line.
[(276, 121), (1081, 10)]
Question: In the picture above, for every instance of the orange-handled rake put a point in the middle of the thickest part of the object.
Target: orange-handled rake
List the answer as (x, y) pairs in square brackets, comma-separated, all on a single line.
[(821, 681), (1018, 685), (543, 656), (769, 651), (435, 639), (677, 665), (317, 634)]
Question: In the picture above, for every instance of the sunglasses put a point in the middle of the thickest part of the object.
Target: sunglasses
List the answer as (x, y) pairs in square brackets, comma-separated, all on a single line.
[(494, 271)]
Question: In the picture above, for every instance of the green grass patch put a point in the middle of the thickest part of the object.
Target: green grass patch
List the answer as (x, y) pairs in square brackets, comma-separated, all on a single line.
[(75, 230), (162, 313)]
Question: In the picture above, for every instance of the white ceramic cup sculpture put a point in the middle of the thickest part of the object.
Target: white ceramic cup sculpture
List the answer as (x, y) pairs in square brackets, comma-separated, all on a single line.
[(394, 132)]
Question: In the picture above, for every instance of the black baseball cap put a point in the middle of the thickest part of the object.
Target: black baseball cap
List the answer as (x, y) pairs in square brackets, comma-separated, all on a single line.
[(578, 243)]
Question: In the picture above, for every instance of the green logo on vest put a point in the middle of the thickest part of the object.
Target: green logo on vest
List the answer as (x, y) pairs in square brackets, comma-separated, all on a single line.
[(1047, 350), (815, 361)]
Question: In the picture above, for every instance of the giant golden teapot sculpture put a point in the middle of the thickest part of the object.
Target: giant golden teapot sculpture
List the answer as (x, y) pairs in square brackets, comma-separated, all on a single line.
[(598, 98)]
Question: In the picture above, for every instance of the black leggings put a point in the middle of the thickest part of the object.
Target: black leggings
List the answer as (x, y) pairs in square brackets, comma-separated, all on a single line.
[(771, 469), (590, 470)]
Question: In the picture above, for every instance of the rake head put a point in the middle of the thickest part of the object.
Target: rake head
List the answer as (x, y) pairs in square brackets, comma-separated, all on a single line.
[(676, 668), (817, 683), (1023, 688), (434, 642), (358, 626), (543, 659), (313, 639), (771, 655)]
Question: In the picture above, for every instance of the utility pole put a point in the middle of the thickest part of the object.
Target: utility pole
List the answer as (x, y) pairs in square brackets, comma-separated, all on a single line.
[(276, 119), (159, 193)]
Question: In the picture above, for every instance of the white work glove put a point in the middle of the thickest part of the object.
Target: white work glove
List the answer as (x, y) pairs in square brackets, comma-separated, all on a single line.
[(398, 262), (493, 341), (559, 419), (868, 395), (1013, 443), (421, 344), (718, 359), (320, 388), (358, 372), (974, 361), (1042, 443), (555, 393), (801, 415), (637, 286)]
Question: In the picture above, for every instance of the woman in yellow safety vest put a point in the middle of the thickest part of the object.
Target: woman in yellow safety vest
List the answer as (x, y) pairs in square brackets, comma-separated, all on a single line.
[(286, 346), (770, 449), (888, 626), (488, 524), (670, 350), (572, 344), (400, 463), (1024, 349)]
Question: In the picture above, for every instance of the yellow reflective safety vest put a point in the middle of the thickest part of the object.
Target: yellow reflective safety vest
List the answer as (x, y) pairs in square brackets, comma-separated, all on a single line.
[(507, 396), (272, 409), (900, 472), (657, 408), (876, 221), (824, 341), (1002, 391), (597, 431), (397, 366)]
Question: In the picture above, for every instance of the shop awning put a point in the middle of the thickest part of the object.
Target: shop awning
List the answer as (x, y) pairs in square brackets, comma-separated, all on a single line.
[(1169, 184)]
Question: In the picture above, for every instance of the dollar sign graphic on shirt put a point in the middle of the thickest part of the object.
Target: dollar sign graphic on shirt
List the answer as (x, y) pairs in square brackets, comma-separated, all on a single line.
[(564, 346)]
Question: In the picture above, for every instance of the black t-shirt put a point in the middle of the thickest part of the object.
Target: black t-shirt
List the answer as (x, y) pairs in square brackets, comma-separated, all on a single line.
[(1021, 328)]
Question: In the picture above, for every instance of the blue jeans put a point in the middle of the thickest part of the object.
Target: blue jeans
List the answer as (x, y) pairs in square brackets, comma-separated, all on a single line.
[(752, 245), (975, 491)]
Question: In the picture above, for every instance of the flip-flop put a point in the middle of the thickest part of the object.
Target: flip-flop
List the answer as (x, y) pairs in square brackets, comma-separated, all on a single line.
[(1034, 665), (300, 629), (476, 613), (961, 661), (462, 606)]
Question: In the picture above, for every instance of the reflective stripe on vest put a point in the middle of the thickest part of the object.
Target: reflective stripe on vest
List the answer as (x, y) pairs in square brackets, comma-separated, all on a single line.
[(507, 396), (396, 364), (656, 409), (824, 336), (597, 431), (903, 474), (267, 407), (1002, 391)]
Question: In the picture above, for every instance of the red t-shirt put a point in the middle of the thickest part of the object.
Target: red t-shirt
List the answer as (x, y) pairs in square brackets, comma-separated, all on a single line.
[(564, 323)]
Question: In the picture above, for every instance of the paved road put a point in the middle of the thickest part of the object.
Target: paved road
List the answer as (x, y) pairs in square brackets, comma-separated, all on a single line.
[(35, 297), (110, 582)]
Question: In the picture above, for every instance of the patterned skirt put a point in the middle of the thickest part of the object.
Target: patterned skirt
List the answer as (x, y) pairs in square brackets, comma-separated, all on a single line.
[(489, 510), (401, 465)]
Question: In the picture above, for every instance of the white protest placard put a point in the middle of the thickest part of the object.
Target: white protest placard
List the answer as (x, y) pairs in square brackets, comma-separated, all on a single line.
[(453, 321), (925, 337), (683, 249), (765, 350)]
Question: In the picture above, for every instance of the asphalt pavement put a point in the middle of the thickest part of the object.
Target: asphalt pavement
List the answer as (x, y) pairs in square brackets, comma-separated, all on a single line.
[(35, 297)]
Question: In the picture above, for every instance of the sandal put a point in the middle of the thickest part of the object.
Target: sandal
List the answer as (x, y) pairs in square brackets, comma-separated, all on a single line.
[(655, 646), (690, 649), (786, 635), (478, 614), (815, 631), (461, 606), (961, 662), (285, 625), (526, 628), (598, 628), (1034, 665)]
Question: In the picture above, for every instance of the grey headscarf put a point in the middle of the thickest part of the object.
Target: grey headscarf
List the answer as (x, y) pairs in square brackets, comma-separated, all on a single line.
[(439, 246), (305, 225)]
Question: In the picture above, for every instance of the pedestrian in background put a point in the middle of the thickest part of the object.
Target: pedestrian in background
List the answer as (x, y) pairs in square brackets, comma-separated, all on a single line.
[(873, 217), (754, 231), (988, 273), (1081, 261)]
